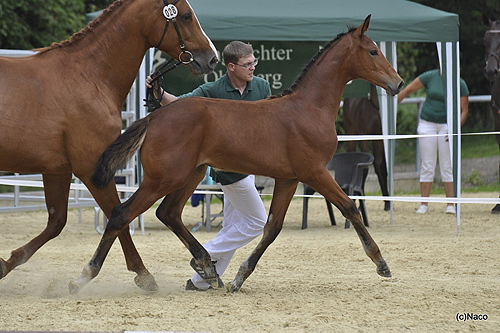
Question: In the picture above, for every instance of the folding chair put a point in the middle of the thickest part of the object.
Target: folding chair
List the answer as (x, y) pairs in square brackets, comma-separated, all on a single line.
[(351, 170), (207, 216)]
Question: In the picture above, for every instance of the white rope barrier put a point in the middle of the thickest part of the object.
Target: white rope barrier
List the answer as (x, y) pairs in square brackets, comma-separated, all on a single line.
[(212, 189), (417, 199), (402, 136)]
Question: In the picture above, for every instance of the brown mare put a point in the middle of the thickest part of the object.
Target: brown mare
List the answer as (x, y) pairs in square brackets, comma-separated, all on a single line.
[(492, 73), (290, 137), (60, 108), (362, 117)]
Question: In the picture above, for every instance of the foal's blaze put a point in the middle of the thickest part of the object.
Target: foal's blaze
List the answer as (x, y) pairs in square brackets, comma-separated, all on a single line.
[(296, 138)]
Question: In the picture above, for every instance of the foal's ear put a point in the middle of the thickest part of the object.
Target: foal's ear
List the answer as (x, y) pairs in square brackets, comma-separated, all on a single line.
[(363, 27)]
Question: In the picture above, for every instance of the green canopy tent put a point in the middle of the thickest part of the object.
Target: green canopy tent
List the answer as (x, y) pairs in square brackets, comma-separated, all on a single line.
[(287, 33), (319, 20)]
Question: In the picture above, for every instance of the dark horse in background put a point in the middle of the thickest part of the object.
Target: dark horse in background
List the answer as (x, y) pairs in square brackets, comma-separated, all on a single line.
[(61, 107), (492, 73), (362, 117), (290, 138)]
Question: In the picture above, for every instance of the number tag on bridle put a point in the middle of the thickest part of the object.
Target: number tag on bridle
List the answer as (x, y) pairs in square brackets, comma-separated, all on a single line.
[(170, 11)]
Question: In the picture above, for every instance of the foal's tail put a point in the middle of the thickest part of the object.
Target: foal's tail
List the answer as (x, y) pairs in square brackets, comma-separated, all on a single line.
[(119, 152)]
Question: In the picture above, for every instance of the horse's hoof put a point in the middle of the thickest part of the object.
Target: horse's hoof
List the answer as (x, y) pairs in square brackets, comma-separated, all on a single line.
[(215, 282), (146, 282), (387, 206), (211, 277), (218, 284), (3, 269), (73, 288), (384, 271), (231, 288)]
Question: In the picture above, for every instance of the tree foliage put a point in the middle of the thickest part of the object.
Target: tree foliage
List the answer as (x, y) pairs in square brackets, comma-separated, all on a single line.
[(95, 5), (32, 24)]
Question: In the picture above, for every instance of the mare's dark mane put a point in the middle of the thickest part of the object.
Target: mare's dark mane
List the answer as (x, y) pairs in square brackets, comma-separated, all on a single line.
[(77, 36), (313, 60)]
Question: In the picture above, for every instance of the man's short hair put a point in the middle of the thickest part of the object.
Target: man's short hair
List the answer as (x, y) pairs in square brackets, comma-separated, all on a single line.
[(236, 50)]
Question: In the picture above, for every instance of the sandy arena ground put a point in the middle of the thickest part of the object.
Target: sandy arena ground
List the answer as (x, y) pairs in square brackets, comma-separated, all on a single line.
[(317, 279)]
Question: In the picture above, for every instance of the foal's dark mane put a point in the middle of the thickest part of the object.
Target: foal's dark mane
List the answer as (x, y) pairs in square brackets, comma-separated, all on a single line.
[(313, 60), (77, 36)]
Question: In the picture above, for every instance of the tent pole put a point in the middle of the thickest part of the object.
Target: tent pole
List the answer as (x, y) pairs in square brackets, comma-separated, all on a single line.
[(451, 81), (457, 150), (386, 116), (393, 109)]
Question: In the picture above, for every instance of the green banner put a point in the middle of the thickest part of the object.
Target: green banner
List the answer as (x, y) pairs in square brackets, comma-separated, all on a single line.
[(280, 63)]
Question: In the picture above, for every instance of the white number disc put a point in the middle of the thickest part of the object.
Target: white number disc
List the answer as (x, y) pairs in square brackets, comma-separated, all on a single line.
[(170, 11)]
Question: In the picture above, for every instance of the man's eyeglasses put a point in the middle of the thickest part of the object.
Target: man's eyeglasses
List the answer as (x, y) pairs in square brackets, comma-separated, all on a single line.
[(249, 65)]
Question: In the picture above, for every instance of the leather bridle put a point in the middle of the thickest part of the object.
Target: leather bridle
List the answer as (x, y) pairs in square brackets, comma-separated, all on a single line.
[(492, 54), (170, 12)]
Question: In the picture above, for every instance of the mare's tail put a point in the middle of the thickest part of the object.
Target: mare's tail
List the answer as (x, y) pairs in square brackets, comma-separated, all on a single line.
[(119, 152)]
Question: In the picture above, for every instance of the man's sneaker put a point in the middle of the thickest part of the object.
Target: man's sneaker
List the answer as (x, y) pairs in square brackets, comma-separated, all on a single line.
[(422, 209), (450, 209), (190, 285)]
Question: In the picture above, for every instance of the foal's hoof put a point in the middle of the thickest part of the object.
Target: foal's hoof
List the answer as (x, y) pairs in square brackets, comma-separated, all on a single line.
[(387, 206), (384, 271), (146, 282)]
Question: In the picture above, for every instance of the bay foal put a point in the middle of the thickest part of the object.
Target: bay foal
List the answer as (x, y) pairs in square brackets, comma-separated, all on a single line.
[(290, 137)]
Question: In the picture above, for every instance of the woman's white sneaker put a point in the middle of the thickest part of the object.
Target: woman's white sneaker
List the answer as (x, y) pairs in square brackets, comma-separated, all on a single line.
[(450, 210), (422, 209)]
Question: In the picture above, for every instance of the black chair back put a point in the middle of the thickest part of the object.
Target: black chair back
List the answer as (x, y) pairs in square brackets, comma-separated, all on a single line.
[(351, 170)]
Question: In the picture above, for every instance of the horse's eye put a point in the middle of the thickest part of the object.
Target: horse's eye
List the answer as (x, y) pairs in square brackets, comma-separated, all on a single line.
[(374, 52), (187, 17)]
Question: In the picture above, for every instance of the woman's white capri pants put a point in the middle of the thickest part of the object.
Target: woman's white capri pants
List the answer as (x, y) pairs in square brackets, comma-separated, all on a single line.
[(431, 148)]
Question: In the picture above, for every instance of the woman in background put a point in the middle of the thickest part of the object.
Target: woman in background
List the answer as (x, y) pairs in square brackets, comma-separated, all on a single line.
[(433, 120)]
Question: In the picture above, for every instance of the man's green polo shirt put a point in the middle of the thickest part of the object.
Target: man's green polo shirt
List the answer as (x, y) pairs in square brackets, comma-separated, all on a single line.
[(255, 90)]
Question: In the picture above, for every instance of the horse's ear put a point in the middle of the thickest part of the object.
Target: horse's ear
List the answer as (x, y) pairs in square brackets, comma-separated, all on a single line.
[(489, 19), (486, 20), (363, 27)]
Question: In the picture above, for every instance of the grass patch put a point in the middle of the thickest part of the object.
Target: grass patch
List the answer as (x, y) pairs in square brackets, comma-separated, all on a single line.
[(437, 188), (482, 188), (10, 188), (476, 146)]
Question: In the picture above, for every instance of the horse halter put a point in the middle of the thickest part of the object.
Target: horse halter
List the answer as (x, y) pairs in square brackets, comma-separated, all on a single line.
[(170, 12)]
